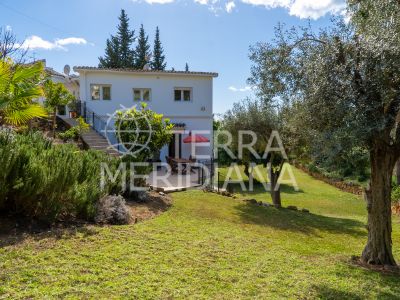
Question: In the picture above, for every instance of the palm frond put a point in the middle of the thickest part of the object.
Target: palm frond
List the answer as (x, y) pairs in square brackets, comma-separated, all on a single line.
[(23, 115)]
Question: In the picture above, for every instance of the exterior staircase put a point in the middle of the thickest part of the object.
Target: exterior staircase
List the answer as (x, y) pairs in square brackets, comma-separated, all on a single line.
[(92, 139)]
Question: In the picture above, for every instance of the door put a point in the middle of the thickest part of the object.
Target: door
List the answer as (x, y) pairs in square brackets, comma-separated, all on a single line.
[(175, 146)]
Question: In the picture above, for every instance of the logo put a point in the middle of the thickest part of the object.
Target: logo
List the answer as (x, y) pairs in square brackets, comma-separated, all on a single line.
[(127, 132)]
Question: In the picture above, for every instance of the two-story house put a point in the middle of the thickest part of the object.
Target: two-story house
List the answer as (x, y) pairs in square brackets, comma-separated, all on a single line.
[(186, 98)]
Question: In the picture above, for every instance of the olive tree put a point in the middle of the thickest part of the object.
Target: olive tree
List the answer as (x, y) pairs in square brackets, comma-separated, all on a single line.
[(262, 120), (348, 78)]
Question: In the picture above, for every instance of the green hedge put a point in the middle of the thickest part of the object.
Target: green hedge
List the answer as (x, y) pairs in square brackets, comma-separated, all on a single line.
[(47, 181)]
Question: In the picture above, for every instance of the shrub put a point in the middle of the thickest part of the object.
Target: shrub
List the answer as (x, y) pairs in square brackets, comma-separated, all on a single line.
[(50, 182), (70, 134), (112, 210), (74, 132)]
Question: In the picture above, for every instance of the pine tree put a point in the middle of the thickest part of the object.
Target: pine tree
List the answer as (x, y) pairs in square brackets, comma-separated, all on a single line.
[(186, 67), (119, 52), (158, 62), (142, 50)]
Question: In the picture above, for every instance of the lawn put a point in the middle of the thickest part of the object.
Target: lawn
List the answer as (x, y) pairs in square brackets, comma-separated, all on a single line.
[(208, 246)]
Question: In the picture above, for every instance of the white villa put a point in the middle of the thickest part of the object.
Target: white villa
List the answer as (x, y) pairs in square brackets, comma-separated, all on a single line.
[(186, 98)]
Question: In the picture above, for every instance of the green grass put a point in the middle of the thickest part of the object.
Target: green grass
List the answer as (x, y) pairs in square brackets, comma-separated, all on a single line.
[(209, 246)]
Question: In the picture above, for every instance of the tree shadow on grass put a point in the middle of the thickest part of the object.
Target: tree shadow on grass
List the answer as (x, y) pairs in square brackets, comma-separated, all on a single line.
[(259, 188), (14, 231), (390, 284), (297, 221), (325, 292)]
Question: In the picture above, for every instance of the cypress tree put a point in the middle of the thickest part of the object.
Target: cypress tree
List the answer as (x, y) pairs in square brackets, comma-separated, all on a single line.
[(142, 49), (186, 67), (158, 62), (119, 52)]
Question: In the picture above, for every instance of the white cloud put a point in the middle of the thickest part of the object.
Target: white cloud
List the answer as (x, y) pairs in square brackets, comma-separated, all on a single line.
[(8, 28), (36, 42), (229, 6), (313, 9), (244, 89), (270, 3), (71, 41), (316, 9), (304, 8)]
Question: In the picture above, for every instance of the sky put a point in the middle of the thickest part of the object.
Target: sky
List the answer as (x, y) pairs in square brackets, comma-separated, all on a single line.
[(209, 35)]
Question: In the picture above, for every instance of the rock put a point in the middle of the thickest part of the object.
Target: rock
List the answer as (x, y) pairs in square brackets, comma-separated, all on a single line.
[(292, 207), (112, 210), (161, 193), (266, 204), (142, 196), (260, 203), (252, 201), (304, 210)]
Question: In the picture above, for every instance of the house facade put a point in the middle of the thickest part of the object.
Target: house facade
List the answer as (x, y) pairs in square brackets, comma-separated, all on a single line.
[(186, 98)]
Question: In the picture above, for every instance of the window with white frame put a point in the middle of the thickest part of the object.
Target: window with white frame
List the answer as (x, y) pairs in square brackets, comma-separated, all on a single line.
[(183, 94), (100, 91), (140, 94)]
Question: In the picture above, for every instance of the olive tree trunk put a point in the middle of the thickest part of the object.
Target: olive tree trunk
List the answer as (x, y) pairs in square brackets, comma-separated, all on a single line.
[(398, 172), (54, 122), (275, 191), (378, 250)]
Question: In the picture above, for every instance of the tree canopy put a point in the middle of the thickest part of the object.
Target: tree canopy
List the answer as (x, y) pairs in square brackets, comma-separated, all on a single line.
[(347, 79), (119, 52), (142, 49), (158, 61)]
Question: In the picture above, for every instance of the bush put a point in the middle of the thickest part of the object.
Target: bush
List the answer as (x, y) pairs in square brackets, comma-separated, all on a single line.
[(50, 182), (70, 134), (112, 210)]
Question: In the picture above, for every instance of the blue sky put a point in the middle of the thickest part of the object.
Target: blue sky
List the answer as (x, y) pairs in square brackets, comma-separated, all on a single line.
[(210, 35)]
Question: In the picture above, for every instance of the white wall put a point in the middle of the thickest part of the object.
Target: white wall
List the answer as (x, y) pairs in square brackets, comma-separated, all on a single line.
[(162, 92)]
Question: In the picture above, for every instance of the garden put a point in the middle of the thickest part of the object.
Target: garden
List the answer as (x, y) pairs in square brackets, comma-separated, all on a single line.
[(326, 110)]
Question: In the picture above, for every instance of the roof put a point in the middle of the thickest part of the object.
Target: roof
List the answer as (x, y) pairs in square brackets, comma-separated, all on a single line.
[(51, 71), (155, 72)]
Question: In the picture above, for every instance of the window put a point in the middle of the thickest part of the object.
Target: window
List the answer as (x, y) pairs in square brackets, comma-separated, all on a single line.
[(95, 91), (100, 92), (183, 94), (106, 93), (141, 95)]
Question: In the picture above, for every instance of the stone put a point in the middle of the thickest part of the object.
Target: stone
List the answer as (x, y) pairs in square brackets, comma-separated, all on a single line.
[(260, 203), (304, 210), (266, 204), (252, 201), (161, 193)]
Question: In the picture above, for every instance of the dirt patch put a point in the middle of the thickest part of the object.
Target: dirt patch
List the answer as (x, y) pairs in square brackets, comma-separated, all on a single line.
[(154, 205), (14, 229), (386, 269)]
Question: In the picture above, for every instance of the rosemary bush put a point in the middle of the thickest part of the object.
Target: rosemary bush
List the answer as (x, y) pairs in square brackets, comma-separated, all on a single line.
[(46, 181)]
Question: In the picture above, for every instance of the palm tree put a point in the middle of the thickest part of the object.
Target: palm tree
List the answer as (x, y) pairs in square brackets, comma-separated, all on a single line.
[(19, 86), (56, 94)]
